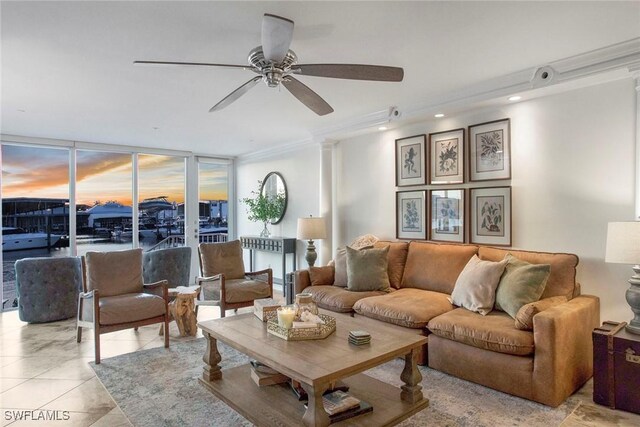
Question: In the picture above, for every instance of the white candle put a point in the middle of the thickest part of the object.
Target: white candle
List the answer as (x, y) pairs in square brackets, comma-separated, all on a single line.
[(286, 316)]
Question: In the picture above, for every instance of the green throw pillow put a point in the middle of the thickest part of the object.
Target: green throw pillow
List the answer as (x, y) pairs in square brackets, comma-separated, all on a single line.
[(367, 270), (522, 283)]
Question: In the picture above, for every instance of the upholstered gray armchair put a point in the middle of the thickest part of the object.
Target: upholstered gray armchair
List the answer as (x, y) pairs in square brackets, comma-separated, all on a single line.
[(223, 280), (172, 265), (115, 296), (48, 288)]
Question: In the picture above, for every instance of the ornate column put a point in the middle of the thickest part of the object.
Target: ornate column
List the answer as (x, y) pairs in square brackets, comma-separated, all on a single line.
[(327, 149)]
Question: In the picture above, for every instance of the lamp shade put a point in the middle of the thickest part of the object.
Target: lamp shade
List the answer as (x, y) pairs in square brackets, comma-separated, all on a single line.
[(623, 242), (311, 228)]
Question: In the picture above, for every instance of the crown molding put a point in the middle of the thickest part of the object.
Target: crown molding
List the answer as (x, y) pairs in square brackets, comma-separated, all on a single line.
[(620, 56)]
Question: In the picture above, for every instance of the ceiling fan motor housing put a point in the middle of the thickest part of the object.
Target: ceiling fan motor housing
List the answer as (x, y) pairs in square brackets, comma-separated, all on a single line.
[(272, 73)]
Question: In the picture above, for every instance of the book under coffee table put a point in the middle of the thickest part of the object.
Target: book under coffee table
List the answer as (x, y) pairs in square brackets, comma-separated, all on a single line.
[(316, 365)]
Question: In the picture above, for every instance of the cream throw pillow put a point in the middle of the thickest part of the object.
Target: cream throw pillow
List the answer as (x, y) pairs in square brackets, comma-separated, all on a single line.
[(476, 286)]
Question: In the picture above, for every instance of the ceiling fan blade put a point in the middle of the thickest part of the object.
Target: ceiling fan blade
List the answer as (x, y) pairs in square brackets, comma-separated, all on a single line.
[(307, 96), (233, 96), (352, 71), (277, 33), (180, 64)]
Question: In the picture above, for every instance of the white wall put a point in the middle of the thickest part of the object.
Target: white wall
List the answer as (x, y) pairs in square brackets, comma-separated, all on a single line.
[(301, 172), (572, 172)]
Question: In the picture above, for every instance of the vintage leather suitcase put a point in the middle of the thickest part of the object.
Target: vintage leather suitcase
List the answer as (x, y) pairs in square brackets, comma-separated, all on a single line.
[(616, 370)]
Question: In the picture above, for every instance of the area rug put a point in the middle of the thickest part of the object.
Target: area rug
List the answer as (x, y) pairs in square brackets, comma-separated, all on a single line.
[(159, 387)]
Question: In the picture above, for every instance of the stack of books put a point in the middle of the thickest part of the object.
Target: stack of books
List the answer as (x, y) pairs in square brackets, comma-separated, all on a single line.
[(341, 406), (359, 337), (263, 375)]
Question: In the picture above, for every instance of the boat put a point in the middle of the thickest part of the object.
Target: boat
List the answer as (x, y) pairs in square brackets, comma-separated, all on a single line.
[(17, 239)]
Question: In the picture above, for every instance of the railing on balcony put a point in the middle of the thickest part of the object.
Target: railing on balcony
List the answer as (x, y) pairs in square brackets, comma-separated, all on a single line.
[(175, 241)]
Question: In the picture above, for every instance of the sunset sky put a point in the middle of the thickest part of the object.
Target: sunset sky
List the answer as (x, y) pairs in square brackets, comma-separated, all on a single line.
[(101, 176)]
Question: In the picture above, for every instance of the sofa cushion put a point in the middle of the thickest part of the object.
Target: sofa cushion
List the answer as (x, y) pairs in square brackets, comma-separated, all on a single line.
[(562, 272), (396, 260), (524, 317), (114, 273), (411, 308), (522, 283), (338, 299), (495, 331), (435, 266), (476, 286), (340, 266), (130, 308), (367, 270), (321, 276), (222, 258)]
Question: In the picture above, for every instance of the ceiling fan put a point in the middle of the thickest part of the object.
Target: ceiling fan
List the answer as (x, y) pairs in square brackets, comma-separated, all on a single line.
[(276, 64)]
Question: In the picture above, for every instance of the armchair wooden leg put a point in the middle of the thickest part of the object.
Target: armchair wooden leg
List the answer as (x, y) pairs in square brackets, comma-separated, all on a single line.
[(222, 311), (166, 331), (78, 333), (96, 338), (197, 311), (135, 328)]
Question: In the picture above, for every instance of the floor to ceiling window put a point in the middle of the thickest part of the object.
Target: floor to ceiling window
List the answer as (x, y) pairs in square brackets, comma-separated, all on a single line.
[(104, 186), (213, 195), (35, 209), (161, 196)]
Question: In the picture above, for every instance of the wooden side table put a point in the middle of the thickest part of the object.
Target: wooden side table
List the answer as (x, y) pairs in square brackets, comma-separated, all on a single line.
[(182, 308)]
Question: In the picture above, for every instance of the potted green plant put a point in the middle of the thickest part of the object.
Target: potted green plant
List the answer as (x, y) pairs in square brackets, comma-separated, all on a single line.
[(264, 208)]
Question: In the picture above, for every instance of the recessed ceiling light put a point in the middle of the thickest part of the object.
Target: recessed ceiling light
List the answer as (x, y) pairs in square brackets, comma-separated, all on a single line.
[(439, 115), (156, 128), (21, 110), (383, 128), (515, 98)]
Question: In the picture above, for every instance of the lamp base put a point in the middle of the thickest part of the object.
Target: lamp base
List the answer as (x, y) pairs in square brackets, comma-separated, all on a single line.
[(633, 298), (311, 255)]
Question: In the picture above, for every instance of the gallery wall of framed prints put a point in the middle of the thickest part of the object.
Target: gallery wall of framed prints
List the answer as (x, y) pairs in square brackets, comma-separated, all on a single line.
[(453, 199)]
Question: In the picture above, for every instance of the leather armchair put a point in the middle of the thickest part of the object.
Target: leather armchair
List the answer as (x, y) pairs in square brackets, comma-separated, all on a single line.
[(114, 296), (223, 280)]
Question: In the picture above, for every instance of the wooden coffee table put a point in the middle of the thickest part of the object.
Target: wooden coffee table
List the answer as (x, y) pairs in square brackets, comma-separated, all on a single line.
[(315, 364)]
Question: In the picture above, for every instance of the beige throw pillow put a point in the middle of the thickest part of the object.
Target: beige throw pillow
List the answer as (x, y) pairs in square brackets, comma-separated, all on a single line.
[(521, 284), (476, 286), (524, 318), (321, 276), (367, 270)]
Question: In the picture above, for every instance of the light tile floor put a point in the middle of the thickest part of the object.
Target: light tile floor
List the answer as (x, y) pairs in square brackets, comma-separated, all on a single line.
[(43, 368)]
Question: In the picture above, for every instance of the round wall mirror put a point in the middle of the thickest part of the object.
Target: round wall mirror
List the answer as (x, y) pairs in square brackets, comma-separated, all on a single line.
[(274, 188)]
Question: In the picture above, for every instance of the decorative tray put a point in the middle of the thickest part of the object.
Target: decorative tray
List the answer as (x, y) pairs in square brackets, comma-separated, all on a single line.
[(300, 334)]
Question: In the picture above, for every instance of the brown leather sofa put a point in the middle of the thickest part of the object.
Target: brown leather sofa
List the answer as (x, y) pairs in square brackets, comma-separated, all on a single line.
[(546, 364)]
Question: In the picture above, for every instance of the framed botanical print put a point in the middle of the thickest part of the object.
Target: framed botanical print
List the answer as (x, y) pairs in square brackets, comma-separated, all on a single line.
[(411, 165), (491, 216), (490, 150), (446, 150), (447, 209), (411, 215)]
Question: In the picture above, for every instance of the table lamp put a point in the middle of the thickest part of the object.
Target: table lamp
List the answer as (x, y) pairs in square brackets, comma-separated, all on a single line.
[(309, 229), (623, 247)]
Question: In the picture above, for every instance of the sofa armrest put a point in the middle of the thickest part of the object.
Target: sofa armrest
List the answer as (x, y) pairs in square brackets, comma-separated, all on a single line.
[(564, 348), (301, 281)]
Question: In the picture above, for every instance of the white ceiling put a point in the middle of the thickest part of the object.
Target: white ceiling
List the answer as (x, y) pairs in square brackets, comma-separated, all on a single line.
[(68, 65)]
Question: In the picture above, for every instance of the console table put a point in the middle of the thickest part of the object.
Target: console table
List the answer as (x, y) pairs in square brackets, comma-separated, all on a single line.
[(280, 245)]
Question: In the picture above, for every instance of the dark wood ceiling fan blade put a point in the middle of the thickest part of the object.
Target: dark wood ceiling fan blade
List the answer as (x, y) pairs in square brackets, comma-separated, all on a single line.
[(307, 96), (277, 33), (233, 96), (180, 64), (378, 73)]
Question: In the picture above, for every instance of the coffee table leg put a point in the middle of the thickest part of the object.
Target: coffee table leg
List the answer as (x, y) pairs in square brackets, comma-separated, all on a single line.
[(211, 359), (315, 415), (411, 376)]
